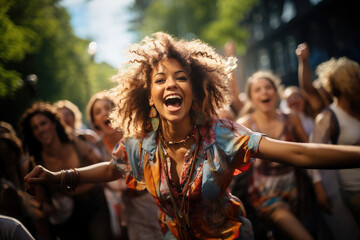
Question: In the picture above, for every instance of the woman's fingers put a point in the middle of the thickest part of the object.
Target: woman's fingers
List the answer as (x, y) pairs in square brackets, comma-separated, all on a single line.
[(35, 173), (35, 177)]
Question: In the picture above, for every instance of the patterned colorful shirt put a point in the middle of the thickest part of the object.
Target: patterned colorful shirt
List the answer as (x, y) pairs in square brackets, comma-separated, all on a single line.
[(214, 213)]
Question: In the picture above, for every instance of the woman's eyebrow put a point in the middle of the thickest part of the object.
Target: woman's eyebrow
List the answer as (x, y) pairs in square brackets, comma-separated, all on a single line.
[(159, 73), (180, 71)]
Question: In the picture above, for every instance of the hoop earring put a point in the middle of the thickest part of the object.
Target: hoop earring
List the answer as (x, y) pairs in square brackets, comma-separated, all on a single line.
[(155, 122)]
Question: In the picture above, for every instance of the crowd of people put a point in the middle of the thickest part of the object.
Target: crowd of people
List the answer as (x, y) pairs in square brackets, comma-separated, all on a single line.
[(177, 151)]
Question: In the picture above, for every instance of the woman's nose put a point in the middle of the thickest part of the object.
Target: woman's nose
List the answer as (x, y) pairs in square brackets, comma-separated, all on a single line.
[(171, 83), (39, 129), (106, 113)]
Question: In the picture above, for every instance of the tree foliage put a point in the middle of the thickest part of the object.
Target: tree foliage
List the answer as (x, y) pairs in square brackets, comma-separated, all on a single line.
[(213, 21), (37, 38)]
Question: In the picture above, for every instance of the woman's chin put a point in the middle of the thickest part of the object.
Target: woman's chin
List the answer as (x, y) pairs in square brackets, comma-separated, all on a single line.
[(108, 130)]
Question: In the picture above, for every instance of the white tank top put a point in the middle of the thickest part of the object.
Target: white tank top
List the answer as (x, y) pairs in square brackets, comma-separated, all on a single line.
[(349, 134)]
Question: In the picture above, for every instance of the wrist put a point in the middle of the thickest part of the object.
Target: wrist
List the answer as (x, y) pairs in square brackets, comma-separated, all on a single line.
[(69, 178)]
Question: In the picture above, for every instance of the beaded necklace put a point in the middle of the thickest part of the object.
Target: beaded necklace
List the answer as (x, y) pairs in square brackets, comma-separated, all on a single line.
[(181, 210), (187, 138)]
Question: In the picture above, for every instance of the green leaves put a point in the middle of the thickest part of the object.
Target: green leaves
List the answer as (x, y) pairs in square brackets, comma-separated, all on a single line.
[(213, 21), (37, 38)]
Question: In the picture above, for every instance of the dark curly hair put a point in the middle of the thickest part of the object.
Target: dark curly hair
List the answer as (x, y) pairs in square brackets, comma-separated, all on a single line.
[(209, 73), (30, 144)]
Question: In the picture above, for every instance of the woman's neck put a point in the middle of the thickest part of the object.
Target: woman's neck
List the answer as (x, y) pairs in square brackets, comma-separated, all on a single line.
[(265, 116), (176, 131), (53, 148)]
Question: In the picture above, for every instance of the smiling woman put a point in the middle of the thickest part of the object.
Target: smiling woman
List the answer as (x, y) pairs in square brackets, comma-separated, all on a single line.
[(169, 90)]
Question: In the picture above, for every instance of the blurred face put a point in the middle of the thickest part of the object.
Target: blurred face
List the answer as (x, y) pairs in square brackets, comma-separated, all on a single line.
[(263, 95), (68, 116), (43, 128), (101, 111), (171, 91), (295, 102)]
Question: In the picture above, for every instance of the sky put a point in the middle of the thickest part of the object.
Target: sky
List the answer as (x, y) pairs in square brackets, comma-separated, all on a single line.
[(104, 22)]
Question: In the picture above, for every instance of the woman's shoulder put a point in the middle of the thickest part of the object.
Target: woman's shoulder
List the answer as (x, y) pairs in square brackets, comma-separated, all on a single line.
[(133, 145), (244, 120), (221, 130)]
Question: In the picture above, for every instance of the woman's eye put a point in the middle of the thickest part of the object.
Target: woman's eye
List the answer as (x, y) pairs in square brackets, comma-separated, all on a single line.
[(97, 112), (160, 80), (256, 90), (182, 78)]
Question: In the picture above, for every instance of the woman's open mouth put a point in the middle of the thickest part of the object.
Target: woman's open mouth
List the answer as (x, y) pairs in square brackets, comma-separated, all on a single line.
[(107, 124), (173, 102)]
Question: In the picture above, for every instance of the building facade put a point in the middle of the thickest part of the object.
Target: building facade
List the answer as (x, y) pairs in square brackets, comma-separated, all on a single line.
[(276, 27)]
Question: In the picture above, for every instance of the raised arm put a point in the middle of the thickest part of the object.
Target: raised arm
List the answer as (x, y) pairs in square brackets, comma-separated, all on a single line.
[(236, 103), (309, 155), (305, 81)]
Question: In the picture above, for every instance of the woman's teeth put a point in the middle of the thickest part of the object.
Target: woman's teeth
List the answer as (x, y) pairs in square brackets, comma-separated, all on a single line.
[(174, 100)]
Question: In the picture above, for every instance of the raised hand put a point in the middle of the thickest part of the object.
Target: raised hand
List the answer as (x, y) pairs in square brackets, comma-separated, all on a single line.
[(302, 51)]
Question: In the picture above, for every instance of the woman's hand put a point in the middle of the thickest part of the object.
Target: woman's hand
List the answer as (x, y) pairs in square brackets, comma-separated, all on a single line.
[(302, 51), (40, 175)]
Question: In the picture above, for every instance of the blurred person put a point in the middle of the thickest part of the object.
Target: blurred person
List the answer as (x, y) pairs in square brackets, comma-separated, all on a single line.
[(276, 190), (73, 118), (139, 208), (14, 201), (13, 229), (80, 214), (98, 109), (175, 147), (11, 155), (314, 92), (340, 124), (236, 103), (296, 103)]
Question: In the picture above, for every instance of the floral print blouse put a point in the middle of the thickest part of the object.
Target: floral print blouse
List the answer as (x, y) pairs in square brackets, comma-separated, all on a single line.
[(214, 213)]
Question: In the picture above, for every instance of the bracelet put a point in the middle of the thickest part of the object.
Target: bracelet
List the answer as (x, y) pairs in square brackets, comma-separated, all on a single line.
[(62, 177), (70, 178), (67, 180)]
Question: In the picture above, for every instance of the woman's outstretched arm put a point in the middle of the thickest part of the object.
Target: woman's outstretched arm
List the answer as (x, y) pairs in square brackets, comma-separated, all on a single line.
[(96, 173), (309, 155)]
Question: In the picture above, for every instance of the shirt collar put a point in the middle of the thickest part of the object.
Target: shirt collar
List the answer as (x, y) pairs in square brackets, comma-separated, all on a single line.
[(149, 143)]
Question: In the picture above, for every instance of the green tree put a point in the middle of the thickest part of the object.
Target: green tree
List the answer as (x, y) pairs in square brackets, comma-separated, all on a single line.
[(226, 26), (37, 38), (16, 41), (213, 21)]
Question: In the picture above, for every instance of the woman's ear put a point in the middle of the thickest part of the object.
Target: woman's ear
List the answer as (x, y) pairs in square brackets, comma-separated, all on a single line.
[(151, 102)]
